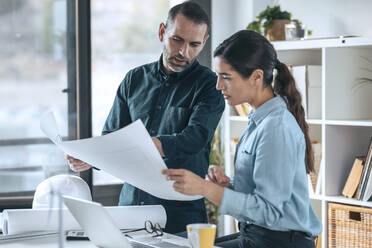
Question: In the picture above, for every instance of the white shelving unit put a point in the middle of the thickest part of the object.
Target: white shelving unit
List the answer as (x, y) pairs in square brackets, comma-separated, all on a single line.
[(345, 125)]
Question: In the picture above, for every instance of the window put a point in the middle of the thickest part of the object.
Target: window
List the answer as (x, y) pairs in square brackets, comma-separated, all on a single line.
[(124, 35), (33, 73)]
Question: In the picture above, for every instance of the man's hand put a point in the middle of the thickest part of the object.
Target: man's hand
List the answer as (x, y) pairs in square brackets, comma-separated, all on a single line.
[(216, 175), (76, 164), (158, 145)]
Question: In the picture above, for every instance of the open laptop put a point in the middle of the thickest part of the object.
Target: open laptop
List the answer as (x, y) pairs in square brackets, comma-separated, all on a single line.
[(101, 229)]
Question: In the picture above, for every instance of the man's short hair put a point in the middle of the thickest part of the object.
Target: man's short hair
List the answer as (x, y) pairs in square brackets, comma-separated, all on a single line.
[(190, 10)]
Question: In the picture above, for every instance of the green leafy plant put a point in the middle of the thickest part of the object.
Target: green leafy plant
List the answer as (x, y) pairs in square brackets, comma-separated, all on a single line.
[(255, 25), (216, 158), (266, 18), (216, 155)]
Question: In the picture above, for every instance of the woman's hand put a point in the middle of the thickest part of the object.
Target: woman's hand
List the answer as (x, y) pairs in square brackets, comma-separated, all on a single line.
[(189, 183), (216, 175), (185, 181)]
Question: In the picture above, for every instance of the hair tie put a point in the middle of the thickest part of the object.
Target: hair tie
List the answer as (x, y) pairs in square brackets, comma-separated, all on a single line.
[(277, 64)]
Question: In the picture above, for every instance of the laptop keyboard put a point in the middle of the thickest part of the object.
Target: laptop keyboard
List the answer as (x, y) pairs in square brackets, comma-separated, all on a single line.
[(161, 244), (139, 245)]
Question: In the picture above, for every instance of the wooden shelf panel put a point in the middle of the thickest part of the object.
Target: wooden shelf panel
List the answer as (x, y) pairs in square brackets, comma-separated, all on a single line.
[(359, 123), (314, 121), (316, 197), (245, 119), (342, 199), (320, 43)]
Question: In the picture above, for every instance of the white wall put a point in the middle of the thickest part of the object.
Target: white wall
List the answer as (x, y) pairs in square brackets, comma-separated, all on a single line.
[(229, 16), (326, 18)]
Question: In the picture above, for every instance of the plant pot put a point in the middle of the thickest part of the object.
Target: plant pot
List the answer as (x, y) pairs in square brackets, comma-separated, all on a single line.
[(277, 31)]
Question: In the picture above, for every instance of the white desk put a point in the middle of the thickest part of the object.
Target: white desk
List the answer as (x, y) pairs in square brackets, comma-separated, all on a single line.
[(52, 242)]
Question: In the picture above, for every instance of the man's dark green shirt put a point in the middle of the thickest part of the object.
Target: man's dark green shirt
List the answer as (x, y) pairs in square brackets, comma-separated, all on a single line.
[(182, 109)]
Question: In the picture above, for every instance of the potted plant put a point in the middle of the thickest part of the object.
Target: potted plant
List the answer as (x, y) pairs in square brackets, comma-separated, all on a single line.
[(273, 21)]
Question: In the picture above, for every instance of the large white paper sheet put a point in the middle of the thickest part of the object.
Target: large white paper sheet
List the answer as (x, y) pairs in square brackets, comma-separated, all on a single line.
[(17, 221), (128, 154)]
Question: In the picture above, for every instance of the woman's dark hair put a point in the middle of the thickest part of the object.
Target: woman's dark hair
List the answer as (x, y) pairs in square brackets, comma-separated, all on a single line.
[(247, 51), (191, 10)]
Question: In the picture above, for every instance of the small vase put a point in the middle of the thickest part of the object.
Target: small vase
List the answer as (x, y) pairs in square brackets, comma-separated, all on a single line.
[(277, 31)]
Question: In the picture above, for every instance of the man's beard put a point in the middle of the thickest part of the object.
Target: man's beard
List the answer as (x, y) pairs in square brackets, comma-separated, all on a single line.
[(176, 67)]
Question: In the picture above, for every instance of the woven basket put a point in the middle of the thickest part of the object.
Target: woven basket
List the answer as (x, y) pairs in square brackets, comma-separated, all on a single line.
[(349, 226)]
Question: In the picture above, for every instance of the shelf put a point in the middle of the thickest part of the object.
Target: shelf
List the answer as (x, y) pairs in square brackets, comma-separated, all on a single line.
[(315, 197), (320, 43), (360, 123), (343, 127), (239, 118), (341, 199), (245, 119), (314, 121)]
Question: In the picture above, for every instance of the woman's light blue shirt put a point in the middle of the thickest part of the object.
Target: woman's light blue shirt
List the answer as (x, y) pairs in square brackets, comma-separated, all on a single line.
[(270, 186)]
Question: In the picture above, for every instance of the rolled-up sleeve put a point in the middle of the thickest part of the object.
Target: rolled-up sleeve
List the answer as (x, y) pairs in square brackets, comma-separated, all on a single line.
[(273, 175)]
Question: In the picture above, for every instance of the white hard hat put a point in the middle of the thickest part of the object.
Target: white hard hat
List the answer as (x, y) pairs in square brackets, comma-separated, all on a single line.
[(46, 194)]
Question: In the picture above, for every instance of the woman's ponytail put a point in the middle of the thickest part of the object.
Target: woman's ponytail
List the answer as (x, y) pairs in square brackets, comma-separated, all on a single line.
[(285, 86)]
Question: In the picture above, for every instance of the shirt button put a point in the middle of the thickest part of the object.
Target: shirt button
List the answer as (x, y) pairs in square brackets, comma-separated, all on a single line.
[(152, 131), (167, 84), (142, 203), (158, 107)]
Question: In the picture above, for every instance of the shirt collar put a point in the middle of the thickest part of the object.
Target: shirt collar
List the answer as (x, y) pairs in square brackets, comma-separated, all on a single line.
[(160, 69), (261, 112)]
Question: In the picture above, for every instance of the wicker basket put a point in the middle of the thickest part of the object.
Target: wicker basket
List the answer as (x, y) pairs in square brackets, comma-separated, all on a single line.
[(349, 226)]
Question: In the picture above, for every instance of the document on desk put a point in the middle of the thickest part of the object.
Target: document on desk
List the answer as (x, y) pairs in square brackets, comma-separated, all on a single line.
[(128, 153), (18, 221)]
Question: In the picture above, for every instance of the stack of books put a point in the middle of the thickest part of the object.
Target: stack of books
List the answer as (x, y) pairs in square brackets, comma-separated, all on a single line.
[(359, 183)]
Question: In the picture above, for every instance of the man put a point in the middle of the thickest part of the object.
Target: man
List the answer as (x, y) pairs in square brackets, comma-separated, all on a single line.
[(177, 101)]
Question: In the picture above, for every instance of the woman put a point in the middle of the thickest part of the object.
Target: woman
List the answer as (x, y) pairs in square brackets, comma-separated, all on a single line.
[(269, 193)]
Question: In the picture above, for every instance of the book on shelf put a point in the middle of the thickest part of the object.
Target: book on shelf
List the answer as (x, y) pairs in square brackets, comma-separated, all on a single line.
[(314, 176), (242, 109), (359, 195), (319, 183), (354, 177), (366, 191), (318, 241)]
